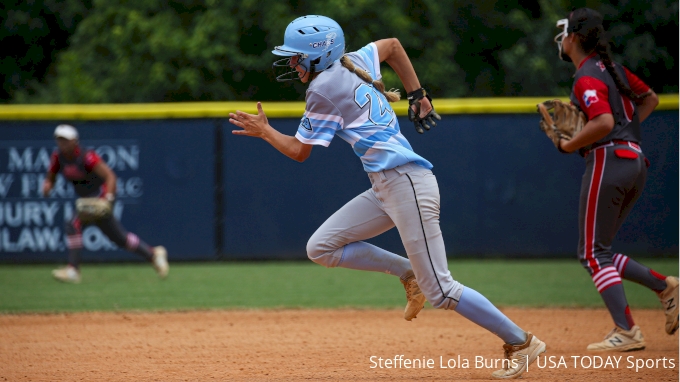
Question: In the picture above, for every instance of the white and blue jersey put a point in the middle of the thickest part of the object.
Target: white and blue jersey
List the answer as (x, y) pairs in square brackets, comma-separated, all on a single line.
[(340, 103)]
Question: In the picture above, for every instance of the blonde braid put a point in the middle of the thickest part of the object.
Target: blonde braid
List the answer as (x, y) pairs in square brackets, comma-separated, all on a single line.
[(392, 95)]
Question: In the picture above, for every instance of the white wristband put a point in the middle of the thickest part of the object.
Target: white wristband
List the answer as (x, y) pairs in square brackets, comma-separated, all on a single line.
[(109, 196)]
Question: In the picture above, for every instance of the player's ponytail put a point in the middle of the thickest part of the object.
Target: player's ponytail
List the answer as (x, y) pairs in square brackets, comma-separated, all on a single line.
[(392, 95), (587, 25), (602, 49)]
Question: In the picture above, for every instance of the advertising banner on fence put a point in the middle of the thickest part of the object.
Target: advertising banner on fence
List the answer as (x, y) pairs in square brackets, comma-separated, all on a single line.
[(164, 190), (32, 223)]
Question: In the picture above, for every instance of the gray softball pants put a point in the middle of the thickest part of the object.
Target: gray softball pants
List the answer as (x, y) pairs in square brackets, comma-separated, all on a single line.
[(613, 181), (406, 197)]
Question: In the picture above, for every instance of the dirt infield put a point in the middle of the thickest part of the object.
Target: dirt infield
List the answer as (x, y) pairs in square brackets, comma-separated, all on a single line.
[(315, 345)]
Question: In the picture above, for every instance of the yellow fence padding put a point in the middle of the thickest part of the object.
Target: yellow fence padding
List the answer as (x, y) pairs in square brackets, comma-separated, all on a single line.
[(169, 110)]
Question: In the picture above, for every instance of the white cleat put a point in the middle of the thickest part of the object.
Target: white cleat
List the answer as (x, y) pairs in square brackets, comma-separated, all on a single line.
[(67, 274), (620, 340), (415, 299), (519, 357), (160, 261), (669, 300)]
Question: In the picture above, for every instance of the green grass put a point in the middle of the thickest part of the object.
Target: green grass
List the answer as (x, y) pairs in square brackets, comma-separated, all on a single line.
[(528, 283)]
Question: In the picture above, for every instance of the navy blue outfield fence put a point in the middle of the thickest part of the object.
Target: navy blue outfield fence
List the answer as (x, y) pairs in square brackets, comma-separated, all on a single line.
[(187, 183)]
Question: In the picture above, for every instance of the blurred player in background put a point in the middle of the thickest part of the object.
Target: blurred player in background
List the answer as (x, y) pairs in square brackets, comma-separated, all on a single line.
[(91, 177), (347, 98), (615, 102)]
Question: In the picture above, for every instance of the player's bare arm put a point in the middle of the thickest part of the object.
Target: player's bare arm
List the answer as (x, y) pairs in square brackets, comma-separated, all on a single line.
[(646, 106), (104, 171), (48, 183), (391, 51), (596, 129), (258, 126)]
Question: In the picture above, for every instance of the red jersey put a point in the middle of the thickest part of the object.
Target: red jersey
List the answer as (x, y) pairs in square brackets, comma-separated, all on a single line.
[(595, 93), (78, 170)]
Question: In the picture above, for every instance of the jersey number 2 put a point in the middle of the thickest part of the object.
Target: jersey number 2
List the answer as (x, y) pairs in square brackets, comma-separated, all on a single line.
[(379, 112)]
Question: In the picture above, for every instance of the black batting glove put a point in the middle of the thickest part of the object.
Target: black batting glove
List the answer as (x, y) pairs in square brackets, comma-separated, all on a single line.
[(427, 121)]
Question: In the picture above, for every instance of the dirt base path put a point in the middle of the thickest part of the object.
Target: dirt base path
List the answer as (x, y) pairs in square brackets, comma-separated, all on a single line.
[(296, 345)]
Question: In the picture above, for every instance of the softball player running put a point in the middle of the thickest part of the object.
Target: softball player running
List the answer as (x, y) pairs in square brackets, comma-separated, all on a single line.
[(615, 102), (347, 98), (91, 177)]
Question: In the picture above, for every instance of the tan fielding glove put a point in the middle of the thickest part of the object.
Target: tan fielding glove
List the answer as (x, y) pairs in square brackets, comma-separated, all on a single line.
[(91, 210), (565, 122)]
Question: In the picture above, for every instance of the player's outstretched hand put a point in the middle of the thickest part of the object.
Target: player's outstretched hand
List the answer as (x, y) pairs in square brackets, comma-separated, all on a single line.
[(252, 125)]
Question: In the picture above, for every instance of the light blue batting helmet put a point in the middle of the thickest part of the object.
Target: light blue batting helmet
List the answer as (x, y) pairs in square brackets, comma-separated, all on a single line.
[(318, 41)]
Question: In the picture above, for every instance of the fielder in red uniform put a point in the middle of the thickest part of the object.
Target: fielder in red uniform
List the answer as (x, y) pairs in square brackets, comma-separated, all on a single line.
[(615, 102), (91, 177)]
